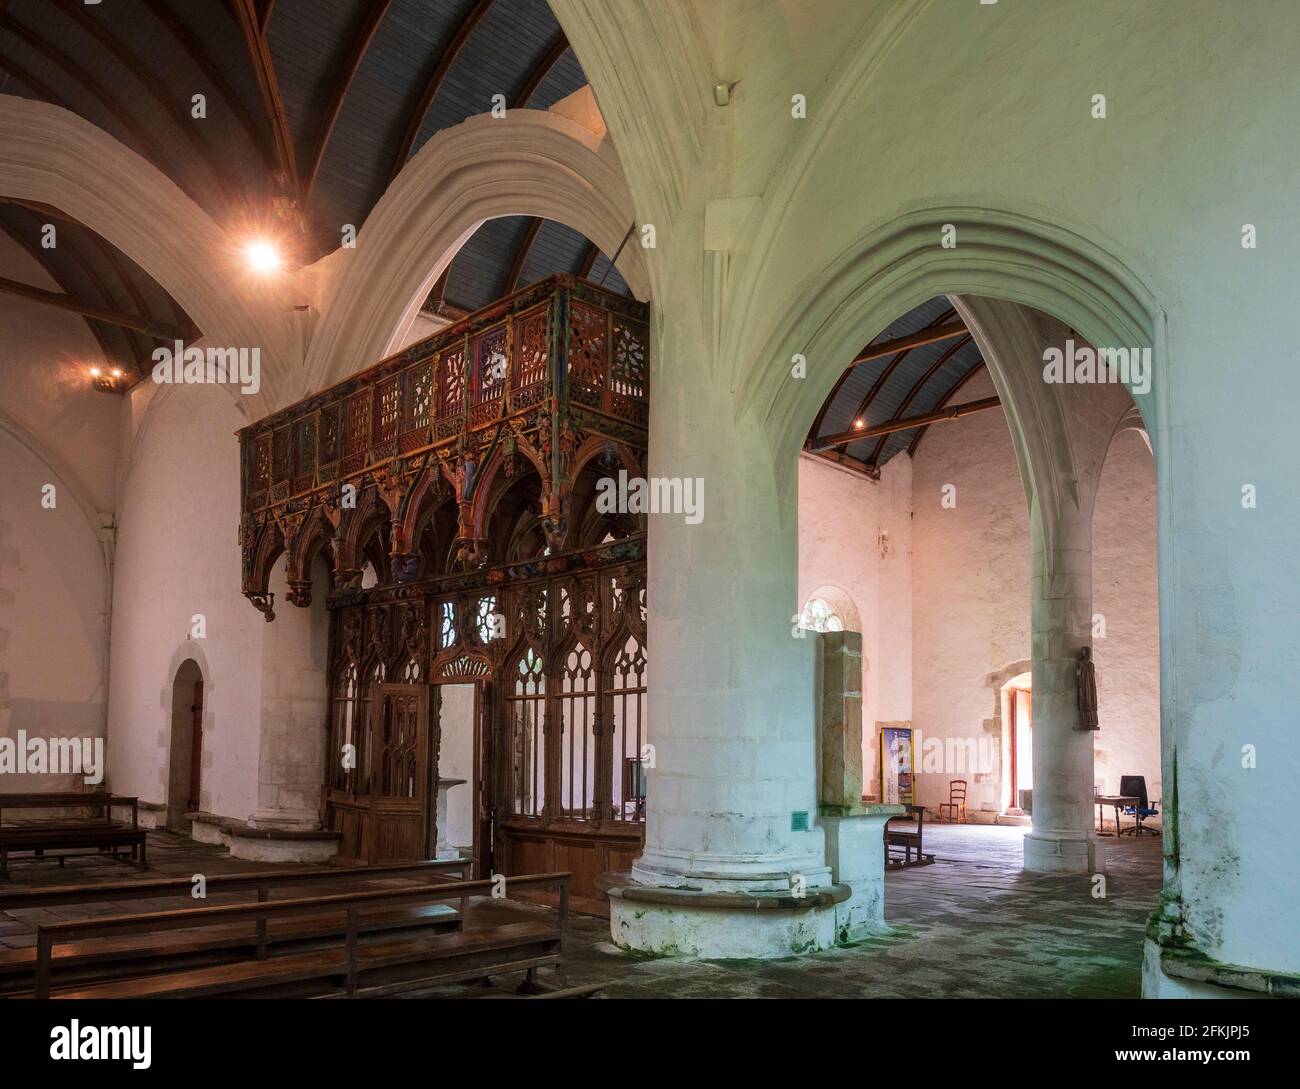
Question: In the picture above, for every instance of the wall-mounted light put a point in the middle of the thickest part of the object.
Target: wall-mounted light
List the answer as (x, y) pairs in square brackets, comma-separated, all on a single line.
[(112, 380)]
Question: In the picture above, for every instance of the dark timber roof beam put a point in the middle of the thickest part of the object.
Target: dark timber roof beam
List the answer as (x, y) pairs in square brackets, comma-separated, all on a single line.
[(912, 340), (915, 391), (953, 412), (521, 254), (157, 330), (253, 25)]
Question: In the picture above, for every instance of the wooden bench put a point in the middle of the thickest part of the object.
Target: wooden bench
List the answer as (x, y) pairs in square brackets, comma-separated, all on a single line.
[(338, 968), (910, 840), (69, 835), (96, 955)]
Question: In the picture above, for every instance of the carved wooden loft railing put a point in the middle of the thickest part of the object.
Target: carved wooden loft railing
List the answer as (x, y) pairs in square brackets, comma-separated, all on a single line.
[(554, 376)]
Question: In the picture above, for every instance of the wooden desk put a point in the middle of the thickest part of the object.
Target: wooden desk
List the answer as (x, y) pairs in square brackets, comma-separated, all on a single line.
[(1119, 801)]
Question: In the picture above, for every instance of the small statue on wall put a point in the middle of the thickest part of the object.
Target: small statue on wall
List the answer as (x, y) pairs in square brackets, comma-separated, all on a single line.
[(1085, 675)]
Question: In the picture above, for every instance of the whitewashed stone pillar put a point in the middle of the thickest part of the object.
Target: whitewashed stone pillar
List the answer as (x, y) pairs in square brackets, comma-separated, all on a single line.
[(731, 816), (1062, 839), (731, 716)]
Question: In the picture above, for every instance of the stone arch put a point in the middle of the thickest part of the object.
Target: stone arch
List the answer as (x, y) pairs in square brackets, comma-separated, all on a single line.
[(894, 268), (185, 757), (188, 653), (1009, 277), (529, 162), (1132, 421), (44, 150)]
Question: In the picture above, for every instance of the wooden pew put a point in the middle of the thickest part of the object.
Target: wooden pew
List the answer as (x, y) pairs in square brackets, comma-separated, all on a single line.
[(338, 968), (59, 835), (18, 966)]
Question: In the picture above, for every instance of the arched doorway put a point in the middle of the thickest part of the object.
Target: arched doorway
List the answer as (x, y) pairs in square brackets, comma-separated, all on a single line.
[(185, 768), (952, 476)]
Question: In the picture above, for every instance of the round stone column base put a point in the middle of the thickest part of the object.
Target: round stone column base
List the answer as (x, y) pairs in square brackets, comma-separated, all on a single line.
[(762, 925), (1172, 973), (258, 843), (1060, 852)]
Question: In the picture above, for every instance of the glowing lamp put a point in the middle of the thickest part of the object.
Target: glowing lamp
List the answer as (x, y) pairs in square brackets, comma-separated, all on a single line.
[(263, 258)]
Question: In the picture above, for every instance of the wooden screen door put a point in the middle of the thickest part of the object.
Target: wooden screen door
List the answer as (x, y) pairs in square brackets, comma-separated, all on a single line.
[(402, 777), (196, 748)]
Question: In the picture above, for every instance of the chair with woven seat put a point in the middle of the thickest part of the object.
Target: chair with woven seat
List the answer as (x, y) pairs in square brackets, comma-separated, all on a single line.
[(956, 802)]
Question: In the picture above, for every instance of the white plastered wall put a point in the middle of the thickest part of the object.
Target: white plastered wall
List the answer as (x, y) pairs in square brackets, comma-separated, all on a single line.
[(54, 570), (843, 516), (178, 556)]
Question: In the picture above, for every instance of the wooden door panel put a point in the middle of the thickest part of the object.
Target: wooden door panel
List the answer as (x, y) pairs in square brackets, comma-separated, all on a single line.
[(196, 747), (401, 794)]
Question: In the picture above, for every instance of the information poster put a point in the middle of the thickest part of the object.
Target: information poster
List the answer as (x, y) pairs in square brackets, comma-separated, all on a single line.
[(896, 765)]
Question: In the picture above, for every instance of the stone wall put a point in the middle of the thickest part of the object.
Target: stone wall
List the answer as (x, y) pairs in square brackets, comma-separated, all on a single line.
[(855, 537), (54, 560)]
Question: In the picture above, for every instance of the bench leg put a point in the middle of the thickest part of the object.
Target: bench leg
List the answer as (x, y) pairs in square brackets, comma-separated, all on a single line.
[(530, 984)]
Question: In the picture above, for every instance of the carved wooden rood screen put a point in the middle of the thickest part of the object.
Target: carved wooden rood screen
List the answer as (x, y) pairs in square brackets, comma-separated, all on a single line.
[(451, 491)]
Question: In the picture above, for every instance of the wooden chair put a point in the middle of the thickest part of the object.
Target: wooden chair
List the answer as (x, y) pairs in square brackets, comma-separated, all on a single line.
[(956, 802), (908, 839)]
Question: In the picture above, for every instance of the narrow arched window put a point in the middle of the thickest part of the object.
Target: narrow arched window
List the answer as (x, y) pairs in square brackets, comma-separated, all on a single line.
[(819, 615)]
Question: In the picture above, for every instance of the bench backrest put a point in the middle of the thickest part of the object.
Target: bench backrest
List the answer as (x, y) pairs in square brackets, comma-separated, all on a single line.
[(72, 800), (59, 801), (234, 882), (48, 935)]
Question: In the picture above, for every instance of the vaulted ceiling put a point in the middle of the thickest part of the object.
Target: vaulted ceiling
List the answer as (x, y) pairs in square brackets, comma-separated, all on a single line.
[(309, 109)]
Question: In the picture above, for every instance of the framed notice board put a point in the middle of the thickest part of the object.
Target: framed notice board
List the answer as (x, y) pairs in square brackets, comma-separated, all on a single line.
[(896, 765)]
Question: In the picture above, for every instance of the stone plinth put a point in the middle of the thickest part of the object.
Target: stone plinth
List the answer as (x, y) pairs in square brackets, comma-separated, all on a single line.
[(855, 850), (279, 844), (720, 925)]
